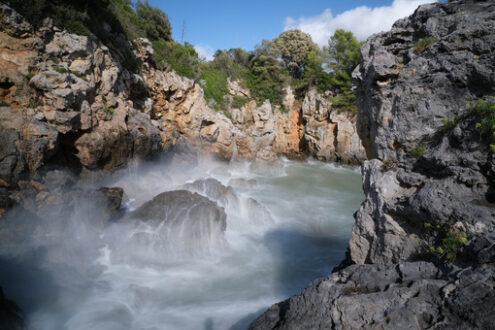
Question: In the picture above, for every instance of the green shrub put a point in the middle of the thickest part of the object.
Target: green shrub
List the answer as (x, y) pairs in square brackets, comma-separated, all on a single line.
[(448, 125), (344, 102), (214, 86), (450, 245), (55, 60), (109, 110), (390, 164), (485, 110), (29, 76), (181, 58), (423, 43), (343, 55), (59, 69), (78, 74), (428, 225), (239, 101), (267, 79), (4, 103), (418, 150), (153, 22)]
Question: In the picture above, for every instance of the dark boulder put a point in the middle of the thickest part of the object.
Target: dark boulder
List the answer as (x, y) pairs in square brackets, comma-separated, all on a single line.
[(11, 316)]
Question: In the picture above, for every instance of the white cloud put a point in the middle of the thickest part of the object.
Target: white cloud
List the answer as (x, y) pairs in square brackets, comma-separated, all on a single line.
[(205, 51), (362, 21)]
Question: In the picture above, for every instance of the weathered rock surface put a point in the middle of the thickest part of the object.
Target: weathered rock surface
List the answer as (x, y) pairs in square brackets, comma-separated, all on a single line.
[(69, 100), (403, 97), (424, 185), (328, 134), (414, 295)]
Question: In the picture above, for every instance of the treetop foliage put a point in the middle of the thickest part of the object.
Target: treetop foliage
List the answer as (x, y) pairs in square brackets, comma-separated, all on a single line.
[(343, 51), (153, 21), (293, 46)]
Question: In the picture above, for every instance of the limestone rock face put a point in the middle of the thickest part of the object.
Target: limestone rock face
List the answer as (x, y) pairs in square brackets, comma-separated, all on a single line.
[(328, 134), (68, 95), (426, 185), (179, 105)]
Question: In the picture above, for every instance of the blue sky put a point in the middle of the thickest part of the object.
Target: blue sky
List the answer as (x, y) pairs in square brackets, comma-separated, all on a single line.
[(211, 25)]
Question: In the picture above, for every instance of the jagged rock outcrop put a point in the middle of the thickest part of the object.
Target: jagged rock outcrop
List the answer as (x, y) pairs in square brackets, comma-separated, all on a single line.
[(179, 105), (328, 134), (424, 238), (71, 100), (67, 99), (444, 177)]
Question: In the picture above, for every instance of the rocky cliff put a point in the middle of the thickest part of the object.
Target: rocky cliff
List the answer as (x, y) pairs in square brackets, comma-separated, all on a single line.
[(423, 243), (71, 101)]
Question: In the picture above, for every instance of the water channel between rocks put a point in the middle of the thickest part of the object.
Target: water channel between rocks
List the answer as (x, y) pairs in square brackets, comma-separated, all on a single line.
[(287, 224)]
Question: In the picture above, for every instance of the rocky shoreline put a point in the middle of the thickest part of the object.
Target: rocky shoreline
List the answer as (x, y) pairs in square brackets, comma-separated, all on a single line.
[(69, 101), (70, 106), (422, 250)]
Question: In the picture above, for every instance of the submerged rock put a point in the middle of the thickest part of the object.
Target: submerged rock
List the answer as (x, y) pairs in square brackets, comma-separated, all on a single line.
[(179, 221), (232, 202), (169, 206), (215, 190)]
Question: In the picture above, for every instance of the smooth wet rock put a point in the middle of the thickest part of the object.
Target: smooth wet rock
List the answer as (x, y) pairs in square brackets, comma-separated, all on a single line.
[(216, 191), (177, 224), (233, 203), (181, 206)]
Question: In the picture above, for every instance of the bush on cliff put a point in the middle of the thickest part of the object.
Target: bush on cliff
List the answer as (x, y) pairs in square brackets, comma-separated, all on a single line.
[(179, 57), (422, 44), (214, 83), (267, 79), (485, 111)]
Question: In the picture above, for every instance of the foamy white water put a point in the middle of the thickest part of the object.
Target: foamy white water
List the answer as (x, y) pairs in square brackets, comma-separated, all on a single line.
[(288, 224)]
